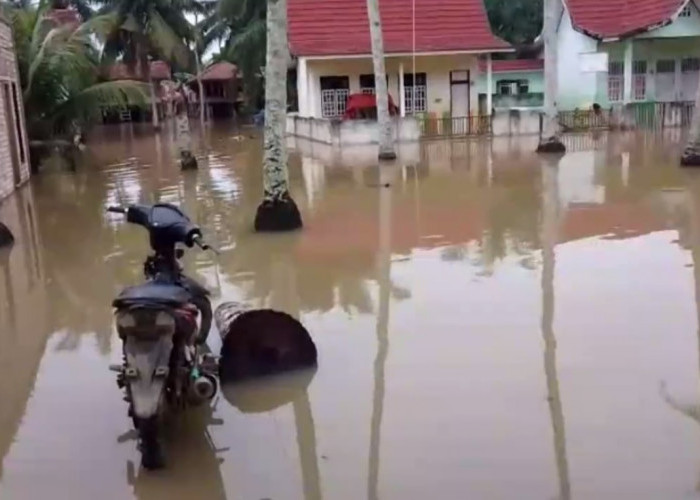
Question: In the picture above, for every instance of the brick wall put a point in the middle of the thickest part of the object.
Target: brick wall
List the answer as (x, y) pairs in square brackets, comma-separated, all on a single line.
[(8, 76)]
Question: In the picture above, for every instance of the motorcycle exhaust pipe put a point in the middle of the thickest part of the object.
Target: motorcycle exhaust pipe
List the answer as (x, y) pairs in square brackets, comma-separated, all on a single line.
[(204, 388)]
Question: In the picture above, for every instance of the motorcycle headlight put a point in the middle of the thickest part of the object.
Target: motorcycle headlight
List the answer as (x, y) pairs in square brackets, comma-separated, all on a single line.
[(145, 323)]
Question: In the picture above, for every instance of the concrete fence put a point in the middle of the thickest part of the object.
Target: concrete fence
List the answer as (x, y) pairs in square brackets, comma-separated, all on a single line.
[(349, 132)]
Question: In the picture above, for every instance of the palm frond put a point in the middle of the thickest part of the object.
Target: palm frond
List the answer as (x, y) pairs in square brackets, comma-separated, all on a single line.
[(166, 41)]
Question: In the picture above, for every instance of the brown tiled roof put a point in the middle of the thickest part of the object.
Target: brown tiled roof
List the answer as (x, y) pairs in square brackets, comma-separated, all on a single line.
[(220, 71), (62, 17), (120, 71)]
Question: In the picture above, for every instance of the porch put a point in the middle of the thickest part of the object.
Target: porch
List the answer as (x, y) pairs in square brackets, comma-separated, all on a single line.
[(438, 86), (660, 70)]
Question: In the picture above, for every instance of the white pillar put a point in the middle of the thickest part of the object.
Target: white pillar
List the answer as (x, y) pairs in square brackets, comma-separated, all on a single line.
[(402, 91), (678, 80), (627, 96), (651, 75), (311, 94), (302, 87), (489, 85)]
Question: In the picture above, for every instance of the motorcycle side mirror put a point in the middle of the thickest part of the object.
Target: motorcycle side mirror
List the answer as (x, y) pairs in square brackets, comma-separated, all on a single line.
[(179, 253)]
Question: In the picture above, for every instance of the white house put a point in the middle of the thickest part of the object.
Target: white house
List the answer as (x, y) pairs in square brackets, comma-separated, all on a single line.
[(619, 52), (432, 54)]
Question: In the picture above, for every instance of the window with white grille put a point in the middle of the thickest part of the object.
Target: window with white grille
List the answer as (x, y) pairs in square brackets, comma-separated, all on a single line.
[(616, 81), (666, 66), (690, 64), (415, 92), (685, 12), (334, 95), (639, 80)]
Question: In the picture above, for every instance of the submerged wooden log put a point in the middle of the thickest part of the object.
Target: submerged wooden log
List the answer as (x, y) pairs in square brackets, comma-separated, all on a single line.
[(6, 236), (261, 342)]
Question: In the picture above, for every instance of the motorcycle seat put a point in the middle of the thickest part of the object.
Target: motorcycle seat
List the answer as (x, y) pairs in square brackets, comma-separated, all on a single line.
[(153, 293)]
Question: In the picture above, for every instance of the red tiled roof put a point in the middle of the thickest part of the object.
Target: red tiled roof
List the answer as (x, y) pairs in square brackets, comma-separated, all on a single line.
[(615, 18), (120, 71), (341, 27), (505, 66), (220, 71)]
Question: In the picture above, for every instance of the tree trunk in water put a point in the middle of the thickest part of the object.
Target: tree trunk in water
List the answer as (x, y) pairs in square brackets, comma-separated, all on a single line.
[(550, 224), (691, 153), (386, 139), (184, 137), (277, 212), (202, 103), (550, 140), (154, 105)]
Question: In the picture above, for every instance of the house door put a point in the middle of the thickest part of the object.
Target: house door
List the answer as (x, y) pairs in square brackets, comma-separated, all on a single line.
[(11, 133), (460, 101)]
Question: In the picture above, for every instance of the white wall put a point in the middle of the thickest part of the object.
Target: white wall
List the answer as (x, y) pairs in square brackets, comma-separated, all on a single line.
[(576, 89), (437, 69)]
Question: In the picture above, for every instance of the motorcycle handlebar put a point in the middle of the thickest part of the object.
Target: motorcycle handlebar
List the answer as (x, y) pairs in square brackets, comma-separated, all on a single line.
[(117, 210)]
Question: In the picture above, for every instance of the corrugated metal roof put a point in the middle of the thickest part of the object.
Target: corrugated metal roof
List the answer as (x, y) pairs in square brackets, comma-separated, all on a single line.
[(220, 71), (160, 70), (618, 18), (341, 27)]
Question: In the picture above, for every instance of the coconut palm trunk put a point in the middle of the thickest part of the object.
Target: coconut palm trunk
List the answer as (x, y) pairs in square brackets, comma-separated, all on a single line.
[(550, 223), (691, 153), (277, 212), (202, 103), (550, 140), (386, 139)]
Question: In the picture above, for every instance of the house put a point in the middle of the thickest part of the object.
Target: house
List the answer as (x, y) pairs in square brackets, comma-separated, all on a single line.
[(516, 83), (621, 52), (14, 152), (160, 75), (220, 81), (432, 55)]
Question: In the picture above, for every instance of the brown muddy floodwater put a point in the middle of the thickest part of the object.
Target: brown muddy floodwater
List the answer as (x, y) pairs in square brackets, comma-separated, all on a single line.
[(489, 327)]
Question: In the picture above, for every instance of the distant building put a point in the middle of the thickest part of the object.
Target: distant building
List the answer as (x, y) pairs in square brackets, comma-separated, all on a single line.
[(220, 81), (332, 43), (160, 74), (14, 151), (516, 83), (647, 50)]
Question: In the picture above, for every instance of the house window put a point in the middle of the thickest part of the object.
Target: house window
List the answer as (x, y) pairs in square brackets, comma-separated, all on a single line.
[(616, 81), (685, 12), (334, 95), (415, 92), (512, 87), (666, 66), (690, 64), (367, 83), (639, 80)]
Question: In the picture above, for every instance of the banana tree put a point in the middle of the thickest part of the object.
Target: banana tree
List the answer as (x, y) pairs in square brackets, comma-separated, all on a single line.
[(386, 139), (550, 139), (278, 211)]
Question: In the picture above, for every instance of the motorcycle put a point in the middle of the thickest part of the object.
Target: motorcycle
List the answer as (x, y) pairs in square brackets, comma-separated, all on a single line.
[(163, 324)]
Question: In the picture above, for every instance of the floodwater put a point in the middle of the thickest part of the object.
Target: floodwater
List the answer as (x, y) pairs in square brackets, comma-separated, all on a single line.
[(490, 326)]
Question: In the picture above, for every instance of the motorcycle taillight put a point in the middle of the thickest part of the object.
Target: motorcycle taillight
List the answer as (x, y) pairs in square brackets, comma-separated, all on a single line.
[(145, 323)]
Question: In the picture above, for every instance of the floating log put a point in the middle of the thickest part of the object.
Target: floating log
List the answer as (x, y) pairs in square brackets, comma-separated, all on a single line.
[(261, 342)]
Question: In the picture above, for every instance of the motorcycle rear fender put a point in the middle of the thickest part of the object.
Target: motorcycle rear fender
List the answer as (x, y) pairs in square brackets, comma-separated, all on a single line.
[(147, 370)]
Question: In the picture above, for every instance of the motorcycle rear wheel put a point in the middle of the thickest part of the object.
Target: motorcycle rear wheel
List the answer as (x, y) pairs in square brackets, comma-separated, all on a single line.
[(206, 315), (150, 443)]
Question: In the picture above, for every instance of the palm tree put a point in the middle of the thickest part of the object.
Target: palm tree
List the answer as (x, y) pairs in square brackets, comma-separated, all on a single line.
[(691, 153), (277, 212), (239, 26), (550, 141), (386, 140), (84, 7), (58, 69), (142, 30)]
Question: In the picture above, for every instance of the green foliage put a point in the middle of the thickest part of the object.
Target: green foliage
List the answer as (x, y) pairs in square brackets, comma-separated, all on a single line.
[(239, 26), (145, 29), (516, 21), (59, 70)]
